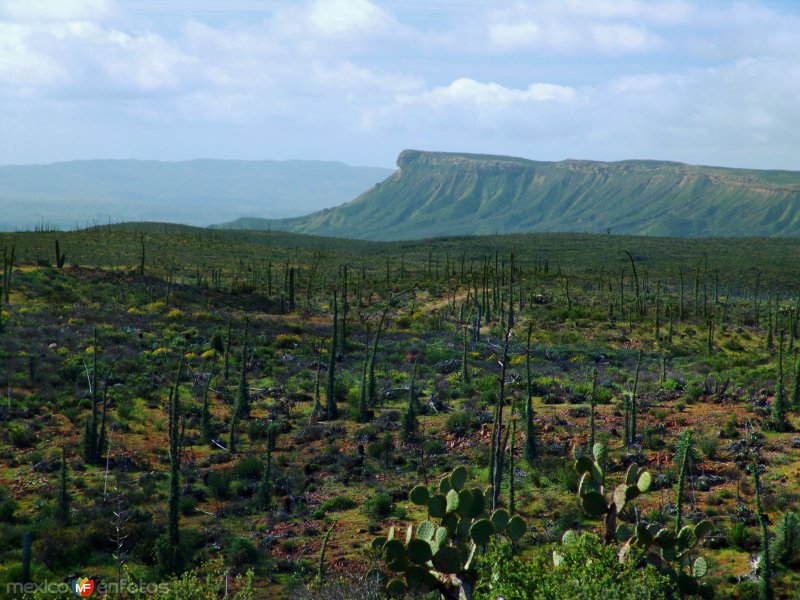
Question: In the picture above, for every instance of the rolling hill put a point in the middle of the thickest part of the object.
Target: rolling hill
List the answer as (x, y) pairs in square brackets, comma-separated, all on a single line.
[(435, 194), (197, 192)]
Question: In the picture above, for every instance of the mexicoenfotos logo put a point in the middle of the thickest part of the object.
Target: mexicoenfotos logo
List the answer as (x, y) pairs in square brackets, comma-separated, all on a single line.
[(82, 587)]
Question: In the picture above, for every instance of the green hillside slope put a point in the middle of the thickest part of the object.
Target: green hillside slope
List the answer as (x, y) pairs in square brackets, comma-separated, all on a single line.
[(436, 194)]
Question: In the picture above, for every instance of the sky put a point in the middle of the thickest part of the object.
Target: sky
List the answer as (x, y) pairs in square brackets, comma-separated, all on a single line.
[(711, 82)]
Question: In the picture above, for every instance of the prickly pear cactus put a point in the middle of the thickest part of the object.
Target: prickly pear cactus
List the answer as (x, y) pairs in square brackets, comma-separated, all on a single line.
[(591, 488), (437, 553), (672, 552), (663, 545)]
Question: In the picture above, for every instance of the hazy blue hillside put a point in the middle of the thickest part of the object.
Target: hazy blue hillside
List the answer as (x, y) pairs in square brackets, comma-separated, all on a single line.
[(435, 194), (197, 192)]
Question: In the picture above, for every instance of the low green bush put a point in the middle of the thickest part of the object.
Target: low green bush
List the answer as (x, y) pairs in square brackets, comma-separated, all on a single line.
[(338, 503), (379, 506), (459, 423), (248, 467), (242, 551), (589, 569)]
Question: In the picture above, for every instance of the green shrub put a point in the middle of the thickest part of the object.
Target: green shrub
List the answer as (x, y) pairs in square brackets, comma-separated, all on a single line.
[(338, 503), (379, 506), (787, 537), (377, 449), (60, 548), (148, 485), (459, 423), (248, 467), (366, 433), (652, 438), (287, 340), (192, 584), (589, 569), (487, 397), (7, 506), (552, 398), (729, 431), (257, 429), (125, 408), (567, 478), (739, 536), (7, 509), (163, 556), (242, 551), (672, 384), (693, 391), (435, 447), (747, 590), (187, 504), (708, 446), (487, 383), (219, 484), (603, 395), (22, 437)]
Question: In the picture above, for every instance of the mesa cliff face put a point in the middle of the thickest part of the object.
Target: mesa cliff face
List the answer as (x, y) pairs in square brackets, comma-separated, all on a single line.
[(436, 194)]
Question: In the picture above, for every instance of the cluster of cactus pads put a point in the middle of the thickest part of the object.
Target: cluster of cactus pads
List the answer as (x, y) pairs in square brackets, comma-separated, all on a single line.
[(660, 545), (592, 492), (437, 554)]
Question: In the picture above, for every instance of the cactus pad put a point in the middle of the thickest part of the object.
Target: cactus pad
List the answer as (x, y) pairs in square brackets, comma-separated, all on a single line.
[(452, 501), (420, 495), (396, 588), (700, 567), (419, 551), (600, 453), (481, 531), (425, 531), (447, 560), (458, 478), (687, 538), (516, 528), (593, 503), (703, 528), (437, 506), (500, 519)]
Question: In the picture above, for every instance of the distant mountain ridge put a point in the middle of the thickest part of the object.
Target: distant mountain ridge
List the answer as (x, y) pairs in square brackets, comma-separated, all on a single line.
[(435, 194), (195, 192)]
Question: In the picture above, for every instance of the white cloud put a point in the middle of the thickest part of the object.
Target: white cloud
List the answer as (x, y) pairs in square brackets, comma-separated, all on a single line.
[(339, 18), (613, 38), (349, 77), (54, 10), (21, 64), (68, 47), (572, 27), (653, 11), (703, 82), (145, 61), (73, 54), (488, 97), (572, 38)]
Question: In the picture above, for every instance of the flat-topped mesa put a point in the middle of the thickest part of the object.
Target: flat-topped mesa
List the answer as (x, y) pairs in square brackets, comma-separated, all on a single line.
[(434, 194), (489, 162), (410, 158)]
